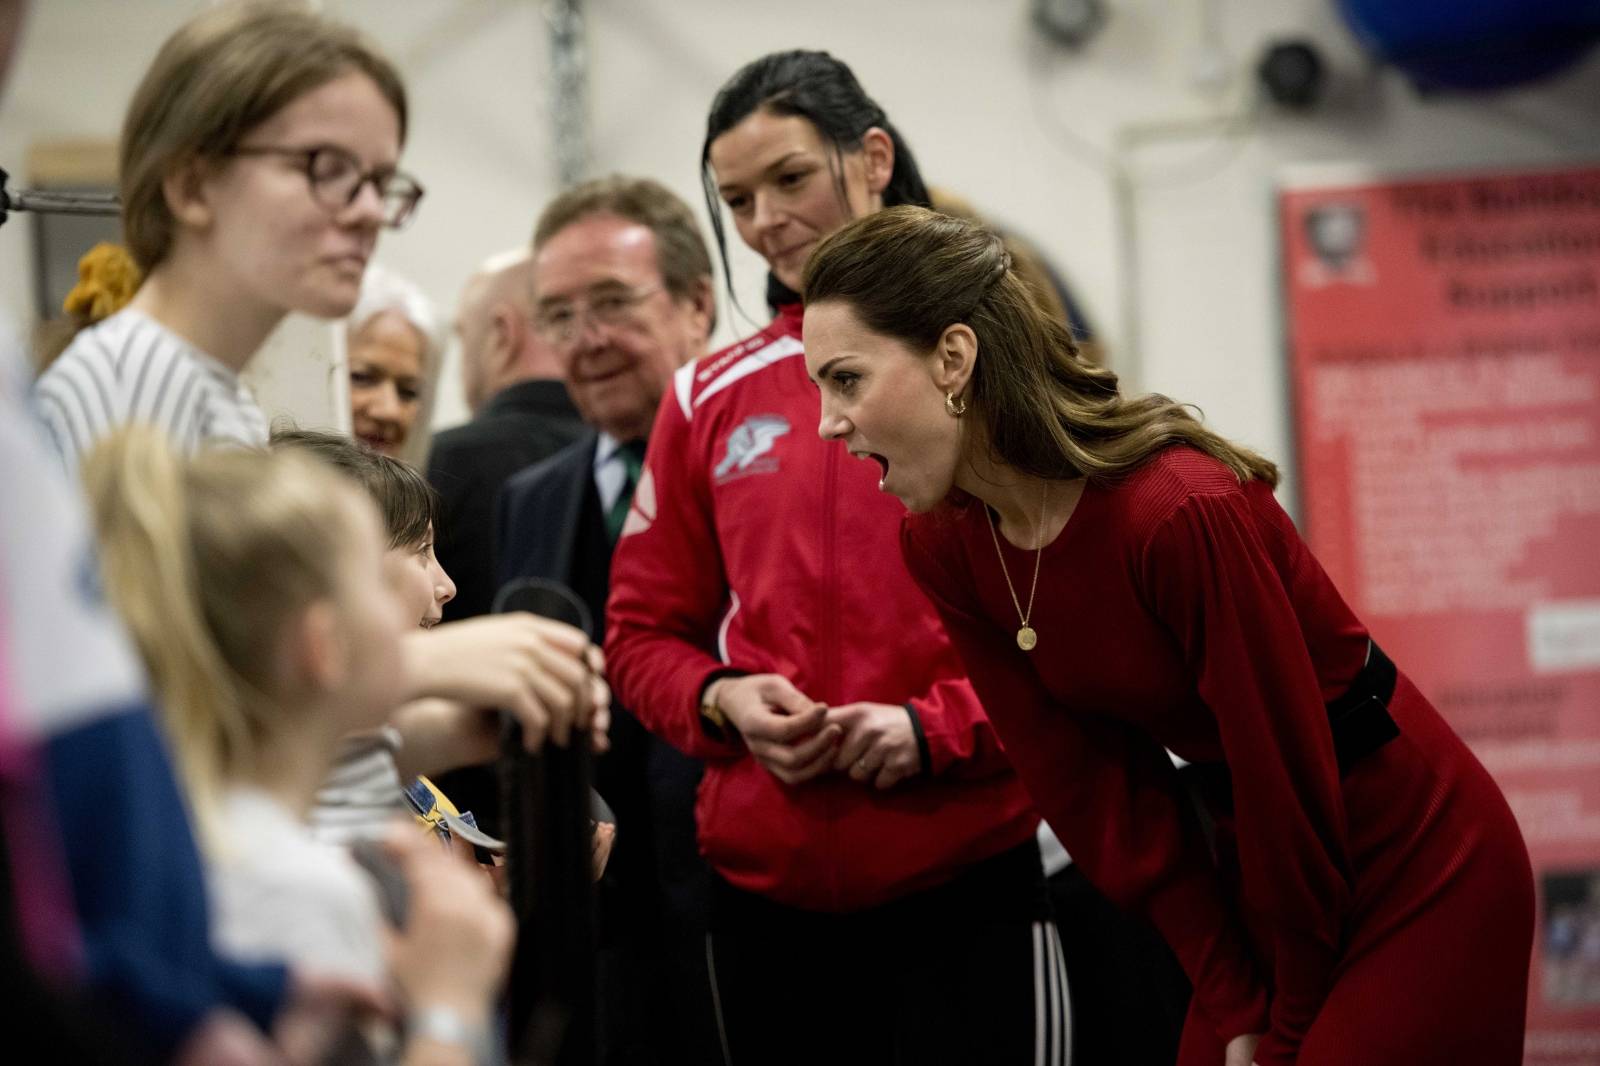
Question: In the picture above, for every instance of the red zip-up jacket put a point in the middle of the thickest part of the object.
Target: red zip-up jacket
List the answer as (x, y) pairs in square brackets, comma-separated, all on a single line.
[(755, 546)]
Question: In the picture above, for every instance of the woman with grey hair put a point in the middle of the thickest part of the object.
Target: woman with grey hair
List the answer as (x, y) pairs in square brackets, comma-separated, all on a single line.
[(393, 345)]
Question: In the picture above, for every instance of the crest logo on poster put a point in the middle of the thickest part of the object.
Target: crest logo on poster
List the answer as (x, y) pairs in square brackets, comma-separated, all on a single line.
[(750, 448), (1336, 232)]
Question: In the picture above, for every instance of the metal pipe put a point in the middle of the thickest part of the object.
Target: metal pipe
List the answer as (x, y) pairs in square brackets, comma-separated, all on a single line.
[(569, 90)]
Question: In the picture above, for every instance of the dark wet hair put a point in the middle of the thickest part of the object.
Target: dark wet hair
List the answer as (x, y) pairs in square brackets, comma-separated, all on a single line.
[(822, 90), (408, 503)]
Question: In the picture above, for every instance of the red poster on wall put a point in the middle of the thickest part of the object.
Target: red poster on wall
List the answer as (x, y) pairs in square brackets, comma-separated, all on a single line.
[(1444, 336)]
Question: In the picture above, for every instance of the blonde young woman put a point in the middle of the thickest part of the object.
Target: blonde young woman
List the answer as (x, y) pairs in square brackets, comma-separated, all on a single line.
[(258, 166), (259, 162), (255, 588)]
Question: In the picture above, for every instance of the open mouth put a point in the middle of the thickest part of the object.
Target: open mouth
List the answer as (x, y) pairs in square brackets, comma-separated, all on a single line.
[(883, 465)]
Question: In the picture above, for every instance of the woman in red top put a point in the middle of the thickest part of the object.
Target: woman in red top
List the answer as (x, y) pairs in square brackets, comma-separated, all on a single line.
[(1119, 581), (873, 852)]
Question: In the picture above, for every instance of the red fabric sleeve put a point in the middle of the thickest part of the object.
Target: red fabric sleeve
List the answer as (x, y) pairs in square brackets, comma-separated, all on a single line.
[(961, 741), (1112, 796), (1209, 572), (669, 591)]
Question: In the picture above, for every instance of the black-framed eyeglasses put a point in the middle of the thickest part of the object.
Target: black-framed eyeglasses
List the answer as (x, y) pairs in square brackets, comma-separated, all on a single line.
[(336, 178)]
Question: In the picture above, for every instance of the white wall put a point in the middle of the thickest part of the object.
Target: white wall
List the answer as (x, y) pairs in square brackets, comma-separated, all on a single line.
[(1018, 125)]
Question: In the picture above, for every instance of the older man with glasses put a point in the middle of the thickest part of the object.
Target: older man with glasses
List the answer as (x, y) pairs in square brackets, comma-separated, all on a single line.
[(622, 293)]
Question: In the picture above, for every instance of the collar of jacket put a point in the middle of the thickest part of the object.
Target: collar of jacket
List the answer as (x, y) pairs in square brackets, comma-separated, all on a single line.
[(780, 298), (546, 396)]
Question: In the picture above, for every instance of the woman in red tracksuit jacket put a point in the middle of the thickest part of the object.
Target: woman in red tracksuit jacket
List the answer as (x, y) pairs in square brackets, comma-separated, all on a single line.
[(879, 896)]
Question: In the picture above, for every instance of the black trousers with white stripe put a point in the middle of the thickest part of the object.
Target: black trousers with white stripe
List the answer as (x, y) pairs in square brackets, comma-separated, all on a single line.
[(968, 972), (1129, 995)]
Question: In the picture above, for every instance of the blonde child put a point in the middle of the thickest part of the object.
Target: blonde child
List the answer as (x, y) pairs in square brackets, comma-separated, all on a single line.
[(254, 587)]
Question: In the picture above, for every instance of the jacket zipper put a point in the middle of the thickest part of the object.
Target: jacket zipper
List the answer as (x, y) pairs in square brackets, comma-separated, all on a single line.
[(830, 633)]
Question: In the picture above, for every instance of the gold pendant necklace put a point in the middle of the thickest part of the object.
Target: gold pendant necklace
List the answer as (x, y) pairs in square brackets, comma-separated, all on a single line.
[(1027, 639)]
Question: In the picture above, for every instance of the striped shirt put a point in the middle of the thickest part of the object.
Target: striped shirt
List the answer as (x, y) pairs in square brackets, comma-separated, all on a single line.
[(362, 794), (130, 368)]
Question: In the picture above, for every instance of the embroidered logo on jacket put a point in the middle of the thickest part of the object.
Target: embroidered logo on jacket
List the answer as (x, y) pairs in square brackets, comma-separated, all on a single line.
[(643, 511), (749, 448)]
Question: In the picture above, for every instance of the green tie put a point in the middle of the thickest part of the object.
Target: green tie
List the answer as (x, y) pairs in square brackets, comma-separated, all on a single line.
[(632, 456)]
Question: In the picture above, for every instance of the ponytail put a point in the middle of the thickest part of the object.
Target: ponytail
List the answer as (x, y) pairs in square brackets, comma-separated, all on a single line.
[(140, 502), (208, 560)]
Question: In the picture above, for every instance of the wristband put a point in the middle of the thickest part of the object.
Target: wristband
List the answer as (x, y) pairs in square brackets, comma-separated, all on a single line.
[(924, 756), (445, 1025)]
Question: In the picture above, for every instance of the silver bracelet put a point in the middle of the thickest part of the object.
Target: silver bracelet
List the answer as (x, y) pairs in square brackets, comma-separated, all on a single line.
[(445, 1025)]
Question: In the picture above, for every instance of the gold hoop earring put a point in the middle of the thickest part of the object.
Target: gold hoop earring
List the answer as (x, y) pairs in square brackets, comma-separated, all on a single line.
[(956, 406)]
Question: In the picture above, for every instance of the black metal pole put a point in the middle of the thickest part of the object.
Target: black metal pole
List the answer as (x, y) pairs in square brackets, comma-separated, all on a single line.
[(56, 201)]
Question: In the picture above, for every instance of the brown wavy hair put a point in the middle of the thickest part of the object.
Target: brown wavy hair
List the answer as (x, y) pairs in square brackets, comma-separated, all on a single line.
[(909, 273)]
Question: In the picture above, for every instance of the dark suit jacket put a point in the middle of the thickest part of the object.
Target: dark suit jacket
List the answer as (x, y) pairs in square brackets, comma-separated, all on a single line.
[(548, 524), (520, 425), (546, 512)]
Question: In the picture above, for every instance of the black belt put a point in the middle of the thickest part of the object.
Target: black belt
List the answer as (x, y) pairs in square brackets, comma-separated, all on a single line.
[(1359, 718)]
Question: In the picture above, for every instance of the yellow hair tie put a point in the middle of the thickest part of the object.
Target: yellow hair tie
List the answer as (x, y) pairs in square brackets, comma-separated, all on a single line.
[(107, 280)]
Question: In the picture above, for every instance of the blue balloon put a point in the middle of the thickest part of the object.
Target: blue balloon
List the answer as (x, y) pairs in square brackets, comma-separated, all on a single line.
[(1476, 44)]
